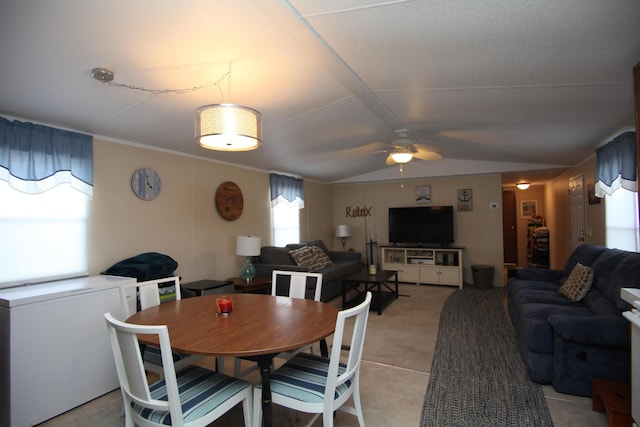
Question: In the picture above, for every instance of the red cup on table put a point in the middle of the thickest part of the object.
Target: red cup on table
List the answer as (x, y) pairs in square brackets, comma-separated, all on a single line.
[(224, 305)]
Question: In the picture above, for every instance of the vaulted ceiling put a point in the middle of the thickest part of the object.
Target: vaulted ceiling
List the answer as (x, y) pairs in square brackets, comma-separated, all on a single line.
[(514, 86)]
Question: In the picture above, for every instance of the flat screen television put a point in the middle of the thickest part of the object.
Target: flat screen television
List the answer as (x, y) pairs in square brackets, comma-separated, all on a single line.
[(421, 225)]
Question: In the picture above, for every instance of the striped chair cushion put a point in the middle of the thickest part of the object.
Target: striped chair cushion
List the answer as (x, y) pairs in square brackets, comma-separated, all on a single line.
[(304, 377), (201, 391), (152, 354)]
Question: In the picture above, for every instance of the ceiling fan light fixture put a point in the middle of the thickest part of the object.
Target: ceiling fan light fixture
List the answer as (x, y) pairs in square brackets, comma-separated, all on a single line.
[(228, 127), (523, 185), (401, 156)]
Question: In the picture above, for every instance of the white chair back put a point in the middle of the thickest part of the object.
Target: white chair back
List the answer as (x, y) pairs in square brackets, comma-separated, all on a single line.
[(131, 370), (199, 388), (148, 293), (298, 383), (299, 282), (354, 348)]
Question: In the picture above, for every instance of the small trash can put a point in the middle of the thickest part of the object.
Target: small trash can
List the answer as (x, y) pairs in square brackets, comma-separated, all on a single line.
[(482, 276)]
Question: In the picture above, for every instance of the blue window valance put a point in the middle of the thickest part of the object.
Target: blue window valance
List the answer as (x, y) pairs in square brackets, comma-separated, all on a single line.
[(616, 165), (36, 158), (286, 189)]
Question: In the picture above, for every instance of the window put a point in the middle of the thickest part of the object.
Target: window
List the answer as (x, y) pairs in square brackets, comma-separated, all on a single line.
[(287, 198), (286, 224), (42, 236), (621, 214)]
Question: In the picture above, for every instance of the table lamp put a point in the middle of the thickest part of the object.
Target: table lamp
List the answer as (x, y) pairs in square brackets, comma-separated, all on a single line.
[(343, 231), (247, 246)]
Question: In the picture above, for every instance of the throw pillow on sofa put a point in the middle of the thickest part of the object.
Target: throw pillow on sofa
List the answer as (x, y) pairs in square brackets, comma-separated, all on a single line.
[(311, 257), (578, 283), (320, 258)]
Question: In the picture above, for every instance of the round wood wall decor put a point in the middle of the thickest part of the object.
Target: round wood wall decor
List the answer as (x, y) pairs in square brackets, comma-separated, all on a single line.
[(229, 201)]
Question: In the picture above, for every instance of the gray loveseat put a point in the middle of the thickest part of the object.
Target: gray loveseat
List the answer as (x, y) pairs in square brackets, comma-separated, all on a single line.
[(565, 342), (342, 264)]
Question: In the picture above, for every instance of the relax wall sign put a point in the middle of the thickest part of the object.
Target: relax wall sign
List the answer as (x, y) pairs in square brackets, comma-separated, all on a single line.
[(358, 212)]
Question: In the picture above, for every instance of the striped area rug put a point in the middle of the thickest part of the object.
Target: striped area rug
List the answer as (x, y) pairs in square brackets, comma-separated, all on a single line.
[(477, 376)]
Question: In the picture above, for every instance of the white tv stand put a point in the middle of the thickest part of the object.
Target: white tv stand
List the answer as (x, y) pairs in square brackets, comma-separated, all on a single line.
[(435, 266)]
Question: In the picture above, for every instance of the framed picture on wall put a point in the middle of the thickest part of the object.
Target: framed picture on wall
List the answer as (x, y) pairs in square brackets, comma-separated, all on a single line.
[(528, 208)]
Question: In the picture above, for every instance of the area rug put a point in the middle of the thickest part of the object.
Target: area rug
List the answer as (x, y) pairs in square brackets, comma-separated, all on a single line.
[(477, 376)]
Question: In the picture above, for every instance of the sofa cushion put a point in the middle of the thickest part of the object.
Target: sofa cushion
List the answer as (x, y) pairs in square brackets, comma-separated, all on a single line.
[(626, 274), (584, 254), (534, 327), (578, 283), (275, 255), (603, 269)]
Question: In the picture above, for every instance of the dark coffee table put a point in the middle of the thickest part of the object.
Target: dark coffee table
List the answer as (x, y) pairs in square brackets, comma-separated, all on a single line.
[(257, 285), (382, 293), (208, 287)]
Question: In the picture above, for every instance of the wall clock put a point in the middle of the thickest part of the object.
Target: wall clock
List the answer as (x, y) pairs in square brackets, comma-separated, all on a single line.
[(229, 201), (146, 183)]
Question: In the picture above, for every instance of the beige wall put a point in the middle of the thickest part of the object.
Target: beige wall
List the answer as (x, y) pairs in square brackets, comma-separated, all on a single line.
[(557, 194), (479, 231), (183, 222)]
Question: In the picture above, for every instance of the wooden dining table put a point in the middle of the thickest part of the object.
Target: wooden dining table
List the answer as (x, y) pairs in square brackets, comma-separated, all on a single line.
[(260, 327)]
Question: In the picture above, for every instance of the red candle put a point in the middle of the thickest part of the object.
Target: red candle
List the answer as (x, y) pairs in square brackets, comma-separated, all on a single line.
[(225, 305)]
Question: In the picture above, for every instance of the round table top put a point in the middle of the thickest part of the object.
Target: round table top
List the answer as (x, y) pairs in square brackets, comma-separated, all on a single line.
[(259, 324)]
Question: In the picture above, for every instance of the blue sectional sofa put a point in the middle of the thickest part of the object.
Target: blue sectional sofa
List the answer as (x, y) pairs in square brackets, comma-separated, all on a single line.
[(566, 342), (342, 265)]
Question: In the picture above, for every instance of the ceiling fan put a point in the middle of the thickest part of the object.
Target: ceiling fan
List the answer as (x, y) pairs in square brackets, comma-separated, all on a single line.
[(404, 150)]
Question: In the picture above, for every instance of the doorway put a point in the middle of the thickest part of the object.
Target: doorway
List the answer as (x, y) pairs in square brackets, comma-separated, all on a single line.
[(577, 204), (509, 227)]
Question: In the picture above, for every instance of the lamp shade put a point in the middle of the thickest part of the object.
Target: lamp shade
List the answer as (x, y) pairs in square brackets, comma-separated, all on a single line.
[(343, 231), (248, 246), (228, 127), (523, 185)]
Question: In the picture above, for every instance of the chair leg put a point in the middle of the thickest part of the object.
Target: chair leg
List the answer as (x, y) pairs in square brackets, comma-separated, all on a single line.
[(327, 418), (236, 367), (257, 407), (356, 402), (247, 408), (220, 365)]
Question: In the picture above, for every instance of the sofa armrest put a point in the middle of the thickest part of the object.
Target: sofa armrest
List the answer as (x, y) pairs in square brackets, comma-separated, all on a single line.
[(345, 256), (540, 274), (596, 330)]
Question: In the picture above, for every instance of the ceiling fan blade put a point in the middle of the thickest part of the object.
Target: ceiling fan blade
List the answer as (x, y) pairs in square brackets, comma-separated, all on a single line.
[(430, 156), (426, 153), (390, 160)]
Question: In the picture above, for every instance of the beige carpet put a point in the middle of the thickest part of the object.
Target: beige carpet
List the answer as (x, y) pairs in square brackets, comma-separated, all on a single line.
[(405, 333)]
